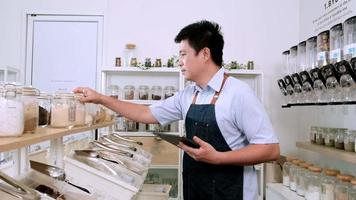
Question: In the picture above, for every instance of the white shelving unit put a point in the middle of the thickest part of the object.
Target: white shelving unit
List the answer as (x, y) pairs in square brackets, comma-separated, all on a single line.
[(164, 76), (9, 75)]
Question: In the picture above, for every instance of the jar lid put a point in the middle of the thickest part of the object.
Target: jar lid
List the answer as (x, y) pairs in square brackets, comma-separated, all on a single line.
[(297, 161), (353, 181), (331, 172), (314, 169), (344, 177), (29, 91), (290, 159), (130, 46), (305, 165), (129, 87), (63, 95)]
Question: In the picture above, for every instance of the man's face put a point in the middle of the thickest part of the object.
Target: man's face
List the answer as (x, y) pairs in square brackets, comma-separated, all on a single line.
[(190, 62)]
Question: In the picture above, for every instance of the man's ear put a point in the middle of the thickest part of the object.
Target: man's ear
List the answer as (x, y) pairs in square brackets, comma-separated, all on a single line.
[(206, 53)]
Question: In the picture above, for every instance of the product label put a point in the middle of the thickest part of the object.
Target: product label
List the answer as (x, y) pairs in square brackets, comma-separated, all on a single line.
[(321, 56), (335, 55), (350, 50)]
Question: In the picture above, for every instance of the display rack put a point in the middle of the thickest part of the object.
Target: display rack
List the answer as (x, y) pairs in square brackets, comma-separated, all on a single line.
[(328, 151), (122, 76), (319, 104)]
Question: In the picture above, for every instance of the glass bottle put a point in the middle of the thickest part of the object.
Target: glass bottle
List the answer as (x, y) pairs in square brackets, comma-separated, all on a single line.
[(44, 109), (129, 91), (156, 92), (339, 138), (328, 181), (143, 92), (301, 178), (169, 91), (342, 186), (292, 174), (313, 190), (352, 190), (330, 137), (285, 172), (313, 132), (12, 112), (130, 55), (30, 102), (63, 111), (349, 141)]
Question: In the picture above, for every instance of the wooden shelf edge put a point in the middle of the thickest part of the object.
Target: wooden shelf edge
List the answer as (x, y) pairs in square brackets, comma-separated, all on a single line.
[(43, 134), (329, 151)]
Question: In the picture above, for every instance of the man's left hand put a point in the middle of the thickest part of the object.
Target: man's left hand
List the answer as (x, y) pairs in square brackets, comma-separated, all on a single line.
[(205, 153)]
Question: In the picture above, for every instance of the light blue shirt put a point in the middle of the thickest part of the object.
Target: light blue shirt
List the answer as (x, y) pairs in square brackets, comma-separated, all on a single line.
[(240, 115)]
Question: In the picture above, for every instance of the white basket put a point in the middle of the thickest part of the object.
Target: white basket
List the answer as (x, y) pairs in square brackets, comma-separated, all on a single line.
[(154, 192), (103, 185)]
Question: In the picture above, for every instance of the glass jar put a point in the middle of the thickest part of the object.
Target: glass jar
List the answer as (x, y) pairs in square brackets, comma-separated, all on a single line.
[(30, 103), (301, 178), (350, 38), (44, 110), (113, 91), (311, 52), (91, 113), (129, 54), (349, 141), (313, 133), (328, 181), (169, 91), (292, 174), (330, 137), (12, 112), (153, 127), (336, 43), (80, 111), (143, 92), (323, 48), (63, 111), (352, 190), (301, 56), (129, 91), (285, 172), (120, 123), (293, 59), (339, 138), (342, 186), (320, 136), (158, 62), (313, 178), (130, 125), (156, 92)]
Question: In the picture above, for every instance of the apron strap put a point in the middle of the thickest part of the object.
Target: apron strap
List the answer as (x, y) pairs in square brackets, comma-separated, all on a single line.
[(217, 93)]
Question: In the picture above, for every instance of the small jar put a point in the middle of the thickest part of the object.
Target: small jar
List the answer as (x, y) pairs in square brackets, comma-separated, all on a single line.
[(320, 136), (301, 178), (120, 124), (349, 141), (44, 109), (12, 112), (158, 62), (113, 91), (293, 173), (143, 92), (168, 91), (313, 132), (285, 172), (80, 111), (328, 184), (313, 191), (63, 111), (156, 92), (352, 190), (153, 127), (342, 186), (129, 91), (148, 62), (30, 102), (330, 137), (130, 125), (339, 138)]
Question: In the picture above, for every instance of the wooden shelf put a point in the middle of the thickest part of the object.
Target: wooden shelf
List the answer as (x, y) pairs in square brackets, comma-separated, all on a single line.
[(329, 151), (43, 134)]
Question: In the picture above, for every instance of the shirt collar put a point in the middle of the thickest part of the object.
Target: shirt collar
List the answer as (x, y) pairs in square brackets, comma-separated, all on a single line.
[(214, 83)]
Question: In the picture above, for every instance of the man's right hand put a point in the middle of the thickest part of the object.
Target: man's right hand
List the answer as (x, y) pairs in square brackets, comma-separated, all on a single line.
[(89, 95)]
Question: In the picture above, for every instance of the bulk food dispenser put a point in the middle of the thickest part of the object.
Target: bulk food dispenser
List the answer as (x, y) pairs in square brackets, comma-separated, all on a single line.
[(293, 62), (303, 73), (281, 83)]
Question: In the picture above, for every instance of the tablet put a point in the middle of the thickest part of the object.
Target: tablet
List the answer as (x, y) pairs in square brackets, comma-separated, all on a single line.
[(175, 139)]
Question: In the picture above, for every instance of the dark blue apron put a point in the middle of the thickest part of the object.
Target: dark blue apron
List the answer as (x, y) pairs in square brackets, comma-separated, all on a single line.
[(203, 181)]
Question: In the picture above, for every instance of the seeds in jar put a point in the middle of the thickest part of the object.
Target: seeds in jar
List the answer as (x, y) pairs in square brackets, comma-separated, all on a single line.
[(60, 116)]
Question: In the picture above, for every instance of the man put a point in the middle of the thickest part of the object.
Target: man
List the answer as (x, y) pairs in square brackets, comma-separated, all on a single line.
[(222, 115)]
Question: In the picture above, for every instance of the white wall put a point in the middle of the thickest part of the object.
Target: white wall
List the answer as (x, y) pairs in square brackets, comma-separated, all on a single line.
[(324, 116), (253, 30)]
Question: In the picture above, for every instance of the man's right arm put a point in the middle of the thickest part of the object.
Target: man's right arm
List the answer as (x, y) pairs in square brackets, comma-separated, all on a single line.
[(136, 112)]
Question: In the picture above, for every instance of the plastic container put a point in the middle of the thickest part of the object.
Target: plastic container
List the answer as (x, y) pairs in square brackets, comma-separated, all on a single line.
[(350, 38), (154, 192), (336, 43)]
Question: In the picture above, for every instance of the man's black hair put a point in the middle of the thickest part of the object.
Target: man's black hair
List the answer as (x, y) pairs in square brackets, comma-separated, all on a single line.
[(204, 34)]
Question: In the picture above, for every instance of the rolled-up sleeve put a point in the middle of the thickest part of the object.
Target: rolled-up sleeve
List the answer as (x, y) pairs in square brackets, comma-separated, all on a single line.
[(254, 120), (168, 110)]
